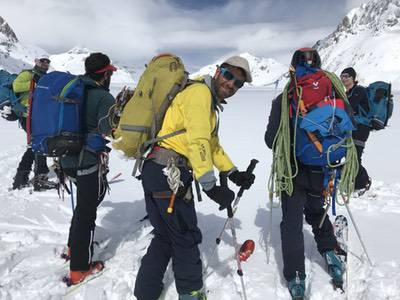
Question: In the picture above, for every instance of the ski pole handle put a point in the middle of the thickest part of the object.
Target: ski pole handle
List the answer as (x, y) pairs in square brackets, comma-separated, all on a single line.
[(249, 170)]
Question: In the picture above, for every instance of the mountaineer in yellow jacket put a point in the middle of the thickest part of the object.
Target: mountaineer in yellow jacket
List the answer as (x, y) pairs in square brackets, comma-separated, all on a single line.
[(22, 85), (197, 151)]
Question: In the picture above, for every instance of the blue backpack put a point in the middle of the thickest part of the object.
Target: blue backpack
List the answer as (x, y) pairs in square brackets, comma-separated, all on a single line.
[(57, 117), (380, 102), (323, 123), (56, 113), (7, 95)]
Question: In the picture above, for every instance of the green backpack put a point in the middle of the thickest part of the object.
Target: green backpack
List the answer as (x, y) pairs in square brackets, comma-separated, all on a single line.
[(143, 115)]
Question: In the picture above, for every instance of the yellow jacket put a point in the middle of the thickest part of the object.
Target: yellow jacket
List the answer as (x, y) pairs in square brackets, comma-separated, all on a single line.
[(21, 86), (192, 109)]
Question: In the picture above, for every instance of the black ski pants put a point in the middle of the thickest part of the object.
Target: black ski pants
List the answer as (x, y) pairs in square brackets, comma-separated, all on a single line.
[(306, 199), (29, 158), (83, 223), (360, 137), (176, 237)]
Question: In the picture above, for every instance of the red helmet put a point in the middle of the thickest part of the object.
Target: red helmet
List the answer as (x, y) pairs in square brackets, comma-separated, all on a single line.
[(309, 56)]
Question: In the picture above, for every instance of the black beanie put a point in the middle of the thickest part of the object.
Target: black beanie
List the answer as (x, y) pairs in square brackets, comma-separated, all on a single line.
[(350, 71), (95, 62)]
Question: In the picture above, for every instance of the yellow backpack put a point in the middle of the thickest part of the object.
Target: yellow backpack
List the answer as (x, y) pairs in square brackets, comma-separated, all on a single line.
[(143, 115)]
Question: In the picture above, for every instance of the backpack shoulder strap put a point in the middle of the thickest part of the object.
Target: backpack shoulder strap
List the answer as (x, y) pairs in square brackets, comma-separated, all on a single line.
[(338, 86)]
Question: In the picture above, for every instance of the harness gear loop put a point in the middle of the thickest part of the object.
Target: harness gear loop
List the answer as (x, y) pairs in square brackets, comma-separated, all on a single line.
[(173, 178)]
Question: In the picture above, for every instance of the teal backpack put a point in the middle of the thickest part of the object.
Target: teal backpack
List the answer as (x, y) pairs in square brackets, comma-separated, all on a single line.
[(7, 95), (380, 102)]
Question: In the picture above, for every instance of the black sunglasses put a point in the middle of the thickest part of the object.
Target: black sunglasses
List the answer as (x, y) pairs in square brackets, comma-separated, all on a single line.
[(229, 76), (44, 60)]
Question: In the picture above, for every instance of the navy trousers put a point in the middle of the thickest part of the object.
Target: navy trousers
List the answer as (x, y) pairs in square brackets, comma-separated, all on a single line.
[(176, 237), (83, 222), (306, 199)]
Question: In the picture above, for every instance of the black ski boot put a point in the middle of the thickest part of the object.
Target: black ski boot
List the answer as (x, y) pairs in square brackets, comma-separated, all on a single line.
[(21, 180), (41, 183)]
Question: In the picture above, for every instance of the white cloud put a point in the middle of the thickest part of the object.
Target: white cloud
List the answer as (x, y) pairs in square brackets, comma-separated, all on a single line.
[(134, 30)]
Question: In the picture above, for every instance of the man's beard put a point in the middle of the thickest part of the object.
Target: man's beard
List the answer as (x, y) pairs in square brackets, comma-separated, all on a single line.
[(106, 83)]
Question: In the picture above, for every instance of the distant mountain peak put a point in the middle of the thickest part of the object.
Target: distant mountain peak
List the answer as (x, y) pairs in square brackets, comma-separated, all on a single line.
[(377, 16), (79, 50), (7, 35)]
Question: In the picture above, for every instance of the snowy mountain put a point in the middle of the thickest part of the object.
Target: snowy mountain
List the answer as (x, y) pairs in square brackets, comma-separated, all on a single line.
[(368, 39), (265, 71), (73, 62), (13, 55)]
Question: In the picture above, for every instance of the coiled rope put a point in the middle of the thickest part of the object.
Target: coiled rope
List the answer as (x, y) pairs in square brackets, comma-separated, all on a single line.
[(282, 174)]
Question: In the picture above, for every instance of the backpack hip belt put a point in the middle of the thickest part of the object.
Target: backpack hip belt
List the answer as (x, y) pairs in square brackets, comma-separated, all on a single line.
[(162, 155)]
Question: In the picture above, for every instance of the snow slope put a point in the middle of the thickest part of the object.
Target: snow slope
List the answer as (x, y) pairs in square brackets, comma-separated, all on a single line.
[(34, 227)]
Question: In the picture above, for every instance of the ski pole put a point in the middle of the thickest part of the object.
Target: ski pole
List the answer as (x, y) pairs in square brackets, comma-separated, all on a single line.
[(324, 215), (115, 177), (72, 197), (198, 191), (223, 180), (358, 232), (271, 203)]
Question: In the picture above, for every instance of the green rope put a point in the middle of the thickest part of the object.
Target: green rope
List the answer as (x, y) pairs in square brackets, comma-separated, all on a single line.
[(281, 176), (350, 165)]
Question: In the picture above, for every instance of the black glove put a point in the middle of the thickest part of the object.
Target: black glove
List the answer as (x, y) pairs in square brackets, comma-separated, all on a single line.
[(242, 179), (222, 195)]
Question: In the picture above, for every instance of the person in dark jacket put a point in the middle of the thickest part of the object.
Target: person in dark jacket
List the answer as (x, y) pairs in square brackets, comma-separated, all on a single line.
[(357, 96), (307, 198), (89, 168), (23, 87)]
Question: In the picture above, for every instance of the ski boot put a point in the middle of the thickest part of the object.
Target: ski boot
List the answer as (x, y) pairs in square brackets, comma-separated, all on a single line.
[(21, 180), (335, 268), (66, 254), (297, 288), (361, 191), (76, 277), (196, 295), (41, 183)]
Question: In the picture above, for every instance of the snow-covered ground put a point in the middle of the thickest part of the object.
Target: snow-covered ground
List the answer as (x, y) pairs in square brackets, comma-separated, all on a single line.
[(34, 227)]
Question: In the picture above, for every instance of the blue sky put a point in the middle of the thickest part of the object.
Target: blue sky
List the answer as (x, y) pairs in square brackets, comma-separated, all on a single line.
[(132, 31)]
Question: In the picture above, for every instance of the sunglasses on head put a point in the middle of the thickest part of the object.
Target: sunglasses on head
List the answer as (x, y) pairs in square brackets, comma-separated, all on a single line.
[(229, 76)]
